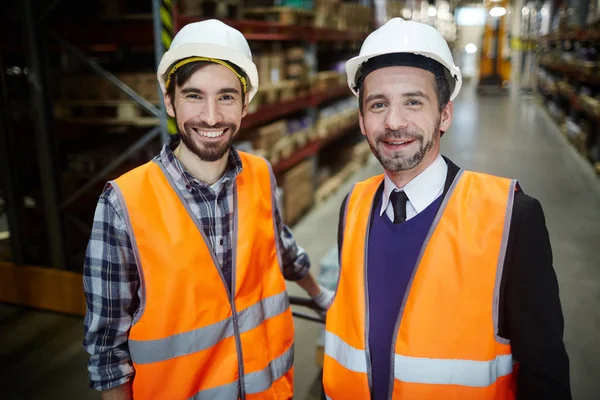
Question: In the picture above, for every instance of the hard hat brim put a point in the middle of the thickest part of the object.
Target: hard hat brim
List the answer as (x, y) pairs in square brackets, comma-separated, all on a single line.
[(354, 64), (213, 51)]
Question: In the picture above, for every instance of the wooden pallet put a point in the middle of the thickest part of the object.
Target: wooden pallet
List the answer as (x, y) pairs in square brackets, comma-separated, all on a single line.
[(104, 113), (283, 15), (226, 9)]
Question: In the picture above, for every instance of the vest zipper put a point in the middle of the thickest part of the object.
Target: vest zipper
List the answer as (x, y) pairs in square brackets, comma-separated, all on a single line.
[(230, 293), (236, 327), (366, 284), (436, 220)]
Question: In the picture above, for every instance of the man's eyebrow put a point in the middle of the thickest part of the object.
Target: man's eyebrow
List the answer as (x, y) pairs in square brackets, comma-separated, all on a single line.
[(374, 96), (416, 93), (192, 90), (228, 90), (200, 91)]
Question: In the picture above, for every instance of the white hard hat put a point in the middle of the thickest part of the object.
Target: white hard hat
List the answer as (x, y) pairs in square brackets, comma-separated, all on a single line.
[(211, 39), (400, 36)]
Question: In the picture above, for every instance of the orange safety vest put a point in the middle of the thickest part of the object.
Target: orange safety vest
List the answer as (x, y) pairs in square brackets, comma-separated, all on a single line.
[(194, 340), (446, 341)]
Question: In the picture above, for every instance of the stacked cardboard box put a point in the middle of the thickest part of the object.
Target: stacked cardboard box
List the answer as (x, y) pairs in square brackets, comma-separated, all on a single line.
[(271, 67), (94, 87), (334, 14), (265, 138), (339, 115), (325, 13), (398, 9), (298, 191), (355, 17), (295, 64), (276, 66), (212, 8)]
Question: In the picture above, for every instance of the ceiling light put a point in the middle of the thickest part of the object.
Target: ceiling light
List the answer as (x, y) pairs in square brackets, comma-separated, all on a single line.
[(471, 48), (498, 12)]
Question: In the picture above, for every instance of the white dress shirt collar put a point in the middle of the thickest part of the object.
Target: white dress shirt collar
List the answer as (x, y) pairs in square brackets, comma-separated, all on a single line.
[(422, 190)]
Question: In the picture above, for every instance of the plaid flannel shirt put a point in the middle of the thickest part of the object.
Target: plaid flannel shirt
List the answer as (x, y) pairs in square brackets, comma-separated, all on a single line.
[(111, 280)]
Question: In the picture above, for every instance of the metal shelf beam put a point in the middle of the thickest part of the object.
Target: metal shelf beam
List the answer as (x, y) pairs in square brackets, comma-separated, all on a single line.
[(46, 146), (13, 198)]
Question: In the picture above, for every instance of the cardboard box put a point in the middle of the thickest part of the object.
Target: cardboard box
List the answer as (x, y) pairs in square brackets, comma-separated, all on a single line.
[(277, 67), (263, 62), (93, 87), (267, 136), (298, 191)]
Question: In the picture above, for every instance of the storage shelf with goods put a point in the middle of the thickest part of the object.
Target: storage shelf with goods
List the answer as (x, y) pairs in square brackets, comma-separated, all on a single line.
[(300, 137), (288, 143), (103, 132), (119, 31), (568, 81)]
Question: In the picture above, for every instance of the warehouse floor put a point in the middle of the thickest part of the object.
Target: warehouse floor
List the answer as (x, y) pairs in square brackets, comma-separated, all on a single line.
[(41, 355)]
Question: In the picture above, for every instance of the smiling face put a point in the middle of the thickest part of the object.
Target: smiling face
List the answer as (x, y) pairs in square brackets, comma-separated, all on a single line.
[(208, 109), (401, 117)]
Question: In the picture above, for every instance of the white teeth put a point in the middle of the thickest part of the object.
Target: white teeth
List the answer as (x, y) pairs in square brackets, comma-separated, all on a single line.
[(211, 134)]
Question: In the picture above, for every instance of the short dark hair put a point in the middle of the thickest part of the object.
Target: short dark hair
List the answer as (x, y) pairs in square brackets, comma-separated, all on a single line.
[(442, 90), (185, 72)]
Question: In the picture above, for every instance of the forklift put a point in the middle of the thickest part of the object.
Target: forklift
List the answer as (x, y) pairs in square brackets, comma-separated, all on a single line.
[(494, 74)]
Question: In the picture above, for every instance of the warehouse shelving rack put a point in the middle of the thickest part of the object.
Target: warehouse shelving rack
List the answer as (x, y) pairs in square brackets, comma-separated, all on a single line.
[(566, 94), (110, 34)]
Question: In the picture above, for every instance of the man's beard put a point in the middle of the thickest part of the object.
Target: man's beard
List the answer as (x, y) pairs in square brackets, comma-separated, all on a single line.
[(399, 161), (208, 151)]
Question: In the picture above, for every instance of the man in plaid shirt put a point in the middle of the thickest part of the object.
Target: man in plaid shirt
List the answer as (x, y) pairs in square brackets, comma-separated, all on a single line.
[(202, 165)]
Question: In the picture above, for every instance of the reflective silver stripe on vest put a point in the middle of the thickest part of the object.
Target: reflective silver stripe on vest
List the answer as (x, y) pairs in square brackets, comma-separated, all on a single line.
[(259, 381), (346, 355), (256, 382), (229, 391), (452, 372), (151, 351)]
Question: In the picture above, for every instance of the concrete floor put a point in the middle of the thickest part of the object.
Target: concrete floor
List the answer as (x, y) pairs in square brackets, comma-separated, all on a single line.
[(41, 355)]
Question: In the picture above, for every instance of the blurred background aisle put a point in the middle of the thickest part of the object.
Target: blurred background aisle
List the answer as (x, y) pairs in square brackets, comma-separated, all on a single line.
[(79, 105)]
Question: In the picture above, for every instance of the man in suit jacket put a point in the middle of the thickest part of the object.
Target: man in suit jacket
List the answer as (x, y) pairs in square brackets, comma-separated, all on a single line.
[(447, 288)]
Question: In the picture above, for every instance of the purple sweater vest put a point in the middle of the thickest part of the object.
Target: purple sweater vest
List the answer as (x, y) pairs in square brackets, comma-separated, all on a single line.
[(393, 252)]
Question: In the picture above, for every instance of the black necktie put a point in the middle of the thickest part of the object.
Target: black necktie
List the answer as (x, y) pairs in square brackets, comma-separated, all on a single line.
[(399, 200)]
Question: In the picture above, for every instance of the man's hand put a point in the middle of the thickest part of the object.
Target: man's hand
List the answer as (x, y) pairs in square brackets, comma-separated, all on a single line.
[(320, 295), (324, 298)]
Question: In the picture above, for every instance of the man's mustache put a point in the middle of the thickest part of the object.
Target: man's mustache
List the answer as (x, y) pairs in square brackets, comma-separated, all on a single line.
[(204, 125), (398, 135)]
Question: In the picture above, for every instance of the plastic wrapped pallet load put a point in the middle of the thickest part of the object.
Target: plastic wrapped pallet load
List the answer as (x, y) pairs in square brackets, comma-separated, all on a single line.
[(328, 278)]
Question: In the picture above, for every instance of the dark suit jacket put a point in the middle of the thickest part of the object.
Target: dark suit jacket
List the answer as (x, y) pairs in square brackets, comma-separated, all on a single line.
[(530, 310)]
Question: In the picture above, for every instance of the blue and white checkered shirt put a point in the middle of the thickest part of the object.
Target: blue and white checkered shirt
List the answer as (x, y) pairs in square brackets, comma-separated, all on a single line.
[(111, 280)]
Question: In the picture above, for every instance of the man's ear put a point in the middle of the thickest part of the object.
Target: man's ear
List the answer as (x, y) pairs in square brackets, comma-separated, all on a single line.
[(169, 105), (361, 122), (246, 100), (446, 117)]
